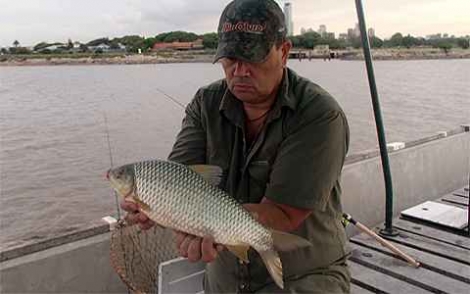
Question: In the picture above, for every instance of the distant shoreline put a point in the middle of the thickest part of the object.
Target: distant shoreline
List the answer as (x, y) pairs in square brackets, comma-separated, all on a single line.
[(204, 57)]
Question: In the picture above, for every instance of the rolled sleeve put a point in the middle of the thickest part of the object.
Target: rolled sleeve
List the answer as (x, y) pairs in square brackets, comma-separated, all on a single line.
[(190, 144), (309, 162)]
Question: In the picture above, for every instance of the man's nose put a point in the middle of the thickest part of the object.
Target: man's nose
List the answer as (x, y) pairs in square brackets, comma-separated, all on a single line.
[(241, 69)]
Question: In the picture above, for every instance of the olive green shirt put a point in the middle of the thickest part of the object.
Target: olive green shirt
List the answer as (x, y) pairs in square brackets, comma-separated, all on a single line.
[(296, 160)]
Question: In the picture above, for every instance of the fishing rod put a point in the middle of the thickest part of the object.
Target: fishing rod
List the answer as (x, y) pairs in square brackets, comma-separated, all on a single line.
[(388, 230), (111, 162), (347, 218)]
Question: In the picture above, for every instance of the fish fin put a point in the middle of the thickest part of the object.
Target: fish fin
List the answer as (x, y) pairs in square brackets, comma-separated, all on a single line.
[(274, 266), (210, 173), (240, 251), (142, 204), (287, 242)]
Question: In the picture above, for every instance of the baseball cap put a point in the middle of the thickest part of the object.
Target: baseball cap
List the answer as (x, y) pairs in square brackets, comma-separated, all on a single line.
[(248, 29)]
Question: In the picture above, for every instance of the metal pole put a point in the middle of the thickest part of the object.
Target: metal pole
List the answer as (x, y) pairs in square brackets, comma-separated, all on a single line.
[(468, 207), (388, 230)]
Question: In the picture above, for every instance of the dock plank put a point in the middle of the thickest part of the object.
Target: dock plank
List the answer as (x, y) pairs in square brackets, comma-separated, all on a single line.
[(430, 261), (450, 198), (381, 282), (432, 232), (462, 192), (420, 277)]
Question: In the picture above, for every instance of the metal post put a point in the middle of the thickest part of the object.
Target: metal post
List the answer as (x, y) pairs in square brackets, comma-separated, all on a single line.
[(468, 207), (388, 230)]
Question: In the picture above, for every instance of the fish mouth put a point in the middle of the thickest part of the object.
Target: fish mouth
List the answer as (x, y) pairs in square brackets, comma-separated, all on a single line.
[(125, 193)]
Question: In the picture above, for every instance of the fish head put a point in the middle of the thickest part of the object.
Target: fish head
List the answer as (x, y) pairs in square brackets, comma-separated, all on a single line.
[(122, 179)]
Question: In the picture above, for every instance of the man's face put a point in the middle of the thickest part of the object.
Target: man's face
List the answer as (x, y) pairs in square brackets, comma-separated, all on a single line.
[(256, 82)]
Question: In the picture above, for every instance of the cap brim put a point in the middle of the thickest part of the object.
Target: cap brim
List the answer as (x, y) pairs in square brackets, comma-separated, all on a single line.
[(248, 49)]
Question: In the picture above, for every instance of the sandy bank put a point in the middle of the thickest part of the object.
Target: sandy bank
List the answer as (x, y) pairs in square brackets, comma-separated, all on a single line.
[(356, 54)]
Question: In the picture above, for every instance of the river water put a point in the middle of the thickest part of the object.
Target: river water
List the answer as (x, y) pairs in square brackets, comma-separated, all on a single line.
[(54, 152)]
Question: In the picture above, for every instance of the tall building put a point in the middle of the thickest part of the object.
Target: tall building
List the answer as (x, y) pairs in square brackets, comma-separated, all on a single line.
[(357, 30), (322, 30), (288, 16), (351, 33)]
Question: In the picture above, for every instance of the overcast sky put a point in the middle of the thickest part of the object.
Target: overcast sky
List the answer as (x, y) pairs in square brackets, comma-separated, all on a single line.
[(33, 21)]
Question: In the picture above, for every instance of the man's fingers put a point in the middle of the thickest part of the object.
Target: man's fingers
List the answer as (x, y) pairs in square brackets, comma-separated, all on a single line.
[(183, 248), (129, 206), (194, 250), (179, 238), (142, 217), (209, 253), (146, 225)]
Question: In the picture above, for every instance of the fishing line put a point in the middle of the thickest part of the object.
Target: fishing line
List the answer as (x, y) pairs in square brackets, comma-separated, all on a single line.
[(111, 161), (171, 98)]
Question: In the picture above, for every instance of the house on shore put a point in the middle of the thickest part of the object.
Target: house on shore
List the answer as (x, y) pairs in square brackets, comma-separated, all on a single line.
[(178, 46)]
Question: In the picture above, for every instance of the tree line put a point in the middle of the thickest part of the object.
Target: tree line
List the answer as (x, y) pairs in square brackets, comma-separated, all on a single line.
[(307, 40), (312, 39)]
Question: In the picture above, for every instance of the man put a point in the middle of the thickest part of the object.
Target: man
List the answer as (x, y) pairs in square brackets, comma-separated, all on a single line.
[(281, 141)]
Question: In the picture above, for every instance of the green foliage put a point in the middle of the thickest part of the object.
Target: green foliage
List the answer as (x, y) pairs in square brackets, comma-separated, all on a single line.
[(39, 46), (69, 44), (445, 46), (376, 42), (210, 40), (83, 48), (355, 42), (16, 43), (132, 42), (396, 40), (148, 43), (307, 40), (98, 41), (463, 43), (179, 36)]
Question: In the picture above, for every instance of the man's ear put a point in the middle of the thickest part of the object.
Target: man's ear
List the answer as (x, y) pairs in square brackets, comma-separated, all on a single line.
[(286, 46)]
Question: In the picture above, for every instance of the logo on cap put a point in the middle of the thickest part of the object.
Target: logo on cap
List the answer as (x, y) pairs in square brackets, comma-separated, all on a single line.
[(243, 26)]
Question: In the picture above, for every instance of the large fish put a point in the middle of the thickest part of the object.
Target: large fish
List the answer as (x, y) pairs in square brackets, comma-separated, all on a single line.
[(185, 198)]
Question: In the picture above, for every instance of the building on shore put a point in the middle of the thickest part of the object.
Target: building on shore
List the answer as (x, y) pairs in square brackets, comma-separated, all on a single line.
[(179, 46), (322, 30), (288, 16)]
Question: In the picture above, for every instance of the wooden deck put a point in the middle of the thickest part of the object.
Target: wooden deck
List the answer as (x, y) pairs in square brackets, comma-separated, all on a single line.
[(444, 254)]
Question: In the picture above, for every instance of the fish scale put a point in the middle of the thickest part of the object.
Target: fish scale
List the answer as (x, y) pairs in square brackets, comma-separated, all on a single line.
[(191, 207)]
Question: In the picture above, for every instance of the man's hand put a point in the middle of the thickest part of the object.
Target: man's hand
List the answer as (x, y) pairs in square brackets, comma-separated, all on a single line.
[(134, 215), (195, 248)]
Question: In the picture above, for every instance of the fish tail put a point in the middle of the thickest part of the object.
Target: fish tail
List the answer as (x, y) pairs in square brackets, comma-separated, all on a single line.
[(273, 264)]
